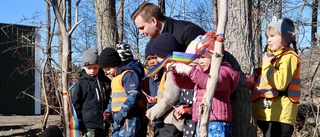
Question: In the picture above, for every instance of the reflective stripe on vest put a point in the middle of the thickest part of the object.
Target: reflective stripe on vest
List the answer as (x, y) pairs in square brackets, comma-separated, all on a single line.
[(118, 93), (161, 87), (263, 89)]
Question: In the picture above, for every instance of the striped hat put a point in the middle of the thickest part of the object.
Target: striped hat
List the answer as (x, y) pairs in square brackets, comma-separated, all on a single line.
[(124, 51)]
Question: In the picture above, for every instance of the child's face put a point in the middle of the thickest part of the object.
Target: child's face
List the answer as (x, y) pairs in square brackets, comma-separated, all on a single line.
[(92, 70), (110, 70), (275, 40), (159, 59), (204, 63), (152, 60)]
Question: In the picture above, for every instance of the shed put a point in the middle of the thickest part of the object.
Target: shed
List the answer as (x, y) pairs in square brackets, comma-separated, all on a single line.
[(18, 74)]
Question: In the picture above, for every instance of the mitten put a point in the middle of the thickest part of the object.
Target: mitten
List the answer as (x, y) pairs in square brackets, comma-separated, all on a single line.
[(181, 68), (106, 116), (185, 110), (118, 119)]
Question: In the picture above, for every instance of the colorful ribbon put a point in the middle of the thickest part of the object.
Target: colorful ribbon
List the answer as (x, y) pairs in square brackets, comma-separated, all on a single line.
[(186, 58), (73, 119)]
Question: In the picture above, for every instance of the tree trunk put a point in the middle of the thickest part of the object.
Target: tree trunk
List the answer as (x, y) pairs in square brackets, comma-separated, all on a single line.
[(239, 44), (205, 106), (161, 4), (279, 11), (215, 14), (257, 33), (46, 77), (314, 22), (65, 61), (121, 20), (106, 23)]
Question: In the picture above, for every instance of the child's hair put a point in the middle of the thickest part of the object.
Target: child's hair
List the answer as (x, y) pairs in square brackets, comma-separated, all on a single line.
[(293, 41)]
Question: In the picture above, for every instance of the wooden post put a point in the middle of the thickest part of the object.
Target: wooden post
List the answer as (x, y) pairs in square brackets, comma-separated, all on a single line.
[(216, 59)]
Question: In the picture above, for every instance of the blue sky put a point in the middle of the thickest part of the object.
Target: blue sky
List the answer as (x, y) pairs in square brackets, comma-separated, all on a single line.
[(14, 11)]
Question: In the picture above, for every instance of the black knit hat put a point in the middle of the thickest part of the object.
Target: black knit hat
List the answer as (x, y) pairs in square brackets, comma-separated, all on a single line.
[(109, 57), (164, 45), (147, 51)]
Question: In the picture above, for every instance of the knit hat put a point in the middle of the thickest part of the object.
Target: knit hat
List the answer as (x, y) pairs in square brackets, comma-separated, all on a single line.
[(90, 57), (199, 42), (124, 51), (147, 51), (164, 45), (109, 57), (283, 28)]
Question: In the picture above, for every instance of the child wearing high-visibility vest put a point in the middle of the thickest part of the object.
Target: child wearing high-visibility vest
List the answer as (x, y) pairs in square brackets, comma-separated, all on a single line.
[(277, 89)]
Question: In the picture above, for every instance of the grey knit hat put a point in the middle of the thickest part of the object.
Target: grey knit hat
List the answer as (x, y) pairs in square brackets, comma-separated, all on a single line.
[(283, 28), (124, 51), (90, 57)]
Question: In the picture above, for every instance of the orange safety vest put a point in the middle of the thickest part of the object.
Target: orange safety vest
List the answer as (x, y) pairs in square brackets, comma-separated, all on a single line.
[(161, 87), (264, 90), (119, 95)]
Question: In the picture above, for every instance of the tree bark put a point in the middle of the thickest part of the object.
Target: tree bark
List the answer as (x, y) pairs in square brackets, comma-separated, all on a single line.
[(257, 33), (216, 59), (315, 4), (161, 4), (65, 54), (106, 23), (240, 44), (121, 20)]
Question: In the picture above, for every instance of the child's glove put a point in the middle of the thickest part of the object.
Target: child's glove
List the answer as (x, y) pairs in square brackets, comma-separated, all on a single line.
[(106, 116), (181, 110), (181, 68), (169, 66), (118, 119)]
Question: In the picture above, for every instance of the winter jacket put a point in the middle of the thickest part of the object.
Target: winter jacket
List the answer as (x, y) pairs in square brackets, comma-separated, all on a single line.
[(163, 108), (128, 78), (87, 102), (154, 83), (227, 82), (131, 81), (279, 77), (183, 31)]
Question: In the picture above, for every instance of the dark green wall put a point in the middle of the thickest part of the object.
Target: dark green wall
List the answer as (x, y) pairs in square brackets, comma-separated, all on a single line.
[(17, 69)]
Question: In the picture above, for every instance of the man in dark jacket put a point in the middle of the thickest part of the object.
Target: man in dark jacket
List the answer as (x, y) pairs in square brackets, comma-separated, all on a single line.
[(151, 22), (91, 96)]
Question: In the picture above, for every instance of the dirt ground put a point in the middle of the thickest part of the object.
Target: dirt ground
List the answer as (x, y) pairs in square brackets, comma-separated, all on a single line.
[(24, 126)]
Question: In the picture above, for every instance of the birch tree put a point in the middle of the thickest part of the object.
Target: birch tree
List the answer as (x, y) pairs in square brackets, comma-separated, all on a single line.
[(65, 54), (205, 106)]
